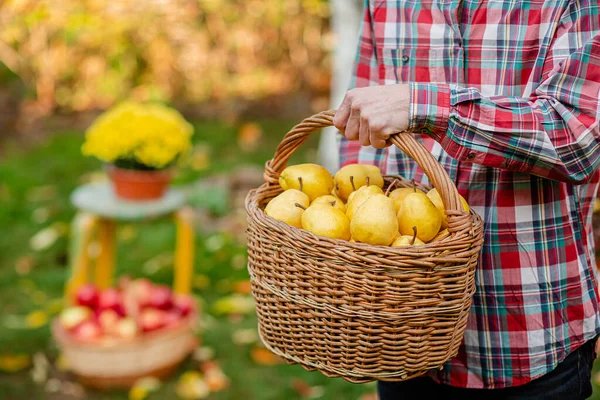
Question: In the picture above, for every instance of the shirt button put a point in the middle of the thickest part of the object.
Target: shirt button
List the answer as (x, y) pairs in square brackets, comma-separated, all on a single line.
[(471, 156), (405, 58), (425, 131)]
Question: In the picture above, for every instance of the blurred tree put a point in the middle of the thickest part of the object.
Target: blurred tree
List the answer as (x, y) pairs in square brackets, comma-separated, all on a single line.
[(76, 55)]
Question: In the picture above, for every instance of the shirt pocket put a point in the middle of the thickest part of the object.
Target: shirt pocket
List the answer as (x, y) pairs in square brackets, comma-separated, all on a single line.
[(421, 64)]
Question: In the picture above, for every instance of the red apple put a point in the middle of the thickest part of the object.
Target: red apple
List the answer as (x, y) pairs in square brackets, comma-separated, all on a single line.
[(87, 295), (88, 331), (161, 297), (108, 320), (184, 304), (141, 290), (111, 299), (71, 317), (127, 328), (152, 319), (172, 317)]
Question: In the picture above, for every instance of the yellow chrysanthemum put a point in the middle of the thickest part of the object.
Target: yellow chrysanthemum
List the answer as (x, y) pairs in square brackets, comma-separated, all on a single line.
[(150, 134)]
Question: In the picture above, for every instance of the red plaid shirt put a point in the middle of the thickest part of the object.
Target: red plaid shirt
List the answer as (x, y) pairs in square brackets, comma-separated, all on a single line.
[(505, 94)]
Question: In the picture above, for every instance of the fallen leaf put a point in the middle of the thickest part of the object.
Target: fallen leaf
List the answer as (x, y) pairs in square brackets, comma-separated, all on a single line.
[(235, 304), (369, 396), (191, 386), (36, 319), (73, 389), (158, 262), (306, 391), (39, 372), (242, 287), (143, 387), (53, 385), (262, 356), (62, 364), (24, 265), (249, 136), (202, 354), (244, 336), (46, 237), (215, 378), (14, 362)]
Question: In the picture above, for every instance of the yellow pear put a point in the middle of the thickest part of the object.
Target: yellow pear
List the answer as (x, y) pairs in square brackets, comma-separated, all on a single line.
[(406, 240), (398, 195), (352, 240), (283, 207), (435, 197), (443, 234), (357, 198), (330, 200), (348, 179), (418, 210), (311, 179), (374, 221), (374, 175), (325, 220)]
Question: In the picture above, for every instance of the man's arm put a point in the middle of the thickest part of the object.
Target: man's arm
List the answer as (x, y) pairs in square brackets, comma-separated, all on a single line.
[(554, 133)]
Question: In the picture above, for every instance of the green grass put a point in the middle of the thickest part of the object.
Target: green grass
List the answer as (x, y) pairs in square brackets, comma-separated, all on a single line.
[(35, 185)]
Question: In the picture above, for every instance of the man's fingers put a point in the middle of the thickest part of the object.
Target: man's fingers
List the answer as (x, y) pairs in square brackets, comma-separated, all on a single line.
[(380, 135), (363, 133), (352, 126), (340, 120)]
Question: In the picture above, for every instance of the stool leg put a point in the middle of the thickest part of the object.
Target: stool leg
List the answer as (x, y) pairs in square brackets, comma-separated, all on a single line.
[(105, 266), (184, 252), (82, 233)]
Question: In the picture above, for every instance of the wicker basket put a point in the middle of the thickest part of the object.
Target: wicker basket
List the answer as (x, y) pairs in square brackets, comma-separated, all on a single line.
[(353, 310), (118, 364)]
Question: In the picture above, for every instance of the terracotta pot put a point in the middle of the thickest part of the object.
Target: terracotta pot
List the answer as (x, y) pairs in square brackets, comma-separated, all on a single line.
[(131, 184)]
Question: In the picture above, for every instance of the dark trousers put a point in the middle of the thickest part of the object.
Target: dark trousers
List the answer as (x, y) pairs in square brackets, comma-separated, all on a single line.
[(571, 380)]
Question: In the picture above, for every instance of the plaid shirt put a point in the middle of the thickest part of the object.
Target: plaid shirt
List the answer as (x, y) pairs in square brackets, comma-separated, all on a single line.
[(505, 94)]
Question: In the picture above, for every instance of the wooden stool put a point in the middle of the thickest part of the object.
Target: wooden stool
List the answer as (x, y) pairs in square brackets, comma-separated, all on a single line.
[(99, 211)]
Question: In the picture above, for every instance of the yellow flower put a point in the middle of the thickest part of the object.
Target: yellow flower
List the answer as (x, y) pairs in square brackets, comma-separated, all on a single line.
[(151, 134)]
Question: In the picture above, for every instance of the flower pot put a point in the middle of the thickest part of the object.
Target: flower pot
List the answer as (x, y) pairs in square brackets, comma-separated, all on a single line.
[(131, 184)]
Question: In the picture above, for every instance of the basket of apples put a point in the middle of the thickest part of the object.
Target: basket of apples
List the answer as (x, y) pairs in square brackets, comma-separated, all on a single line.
[(112, 337)]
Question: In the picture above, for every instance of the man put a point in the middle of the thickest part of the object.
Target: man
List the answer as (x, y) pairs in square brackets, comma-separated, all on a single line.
[(505, 94)]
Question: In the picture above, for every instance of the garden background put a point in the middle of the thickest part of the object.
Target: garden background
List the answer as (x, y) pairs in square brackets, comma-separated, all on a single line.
[(243, 72)]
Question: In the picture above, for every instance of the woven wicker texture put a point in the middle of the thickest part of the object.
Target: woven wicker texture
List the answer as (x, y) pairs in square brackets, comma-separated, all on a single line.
[(353, 310), (122, 359)]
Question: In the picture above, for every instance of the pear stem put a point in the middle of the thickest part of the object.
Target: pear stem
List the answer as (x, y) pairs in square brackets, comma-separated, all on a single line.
[(352, 182), (414, 236), (300, 206), (300, 180), (413, 185), (394, 183), (368, 181)]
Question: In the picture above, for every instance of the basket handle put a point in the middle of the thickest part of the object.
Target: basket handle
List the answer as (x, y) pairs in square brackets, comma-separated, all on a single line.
[(407, 143)]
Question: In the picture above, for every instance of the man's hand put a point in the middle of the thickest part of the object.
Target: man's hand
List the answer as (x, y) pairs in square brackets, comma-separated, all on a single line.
[(371, 114)]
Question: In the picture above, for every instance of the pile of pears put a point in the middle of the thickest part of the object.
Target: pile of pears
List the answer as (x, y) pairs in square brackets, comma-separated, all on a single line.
[(353, 206)]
